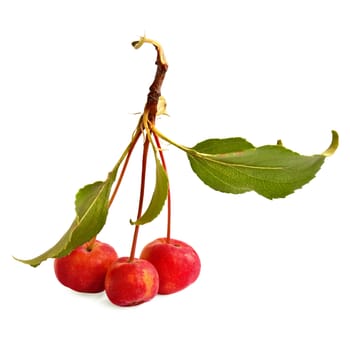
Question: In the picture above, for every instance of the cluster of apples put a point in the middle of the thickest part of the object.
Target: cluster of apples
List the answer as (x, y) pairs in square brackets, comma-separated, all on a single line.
[(165, 266)]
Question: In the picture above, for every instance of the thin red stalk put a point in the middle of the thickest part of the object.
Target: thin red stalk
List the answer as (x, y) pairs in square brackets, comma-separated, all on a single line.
[(123, 169), (162, 158), (142, 192), (93, 239)]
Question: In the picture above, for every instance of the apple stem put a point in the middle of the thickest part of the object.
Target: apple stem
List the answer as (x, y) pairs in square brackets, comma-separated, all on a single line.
[(156, 138), (91, 243), (142, 192), (135, 138)]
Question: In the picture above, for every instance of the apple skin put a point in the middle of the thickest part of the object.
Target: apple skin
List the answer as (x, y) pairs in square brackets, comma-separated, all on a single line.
[(129, 283), (85, 268), (177, 263)]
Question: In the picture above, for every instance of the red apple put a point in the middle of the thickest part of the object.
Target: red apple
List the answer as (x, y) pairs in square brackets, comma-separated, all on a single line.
[(85, 268), (177, 263), (130, 283)]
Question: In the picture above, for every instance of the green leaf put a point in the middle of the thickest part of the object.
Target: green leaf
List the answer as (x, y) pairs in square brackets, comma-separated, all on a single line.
[(234, 165), (158, 197), (91, 207)]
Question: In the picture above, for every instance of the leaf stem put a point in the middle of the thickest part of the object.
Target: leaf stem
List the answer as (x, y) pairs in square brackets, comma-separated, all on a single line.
[(169, 195), (165, 138), (142, 192)]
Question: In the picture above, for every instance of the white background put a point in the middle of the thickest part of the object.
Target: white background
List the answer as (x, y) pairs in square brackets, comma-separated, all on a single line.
[(275, 274)]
